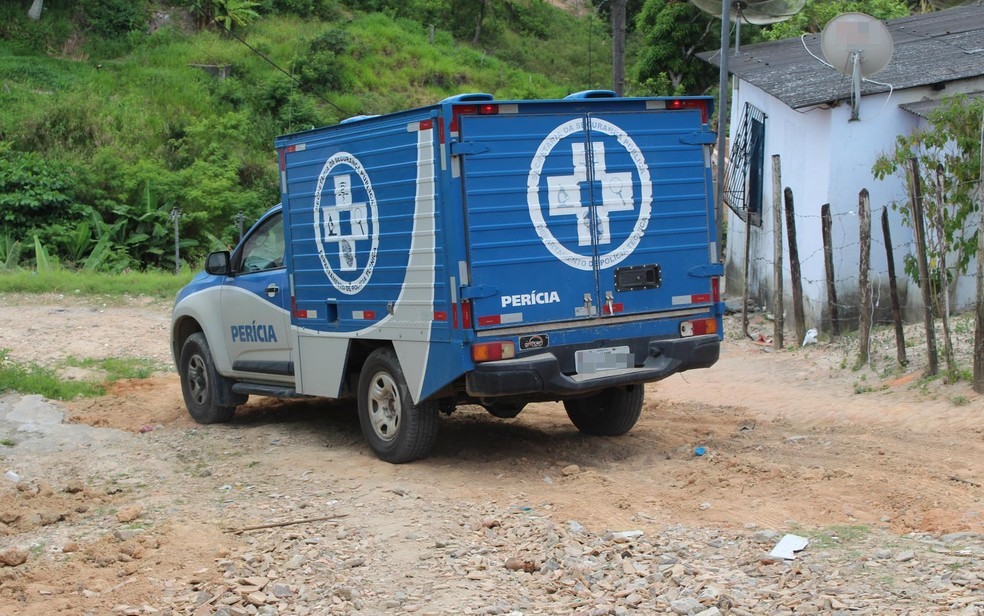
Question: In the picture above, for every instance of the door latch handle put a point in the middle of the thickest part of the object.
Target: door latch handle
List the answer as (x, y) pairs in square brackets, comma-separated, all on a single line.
[(272, 289), (610, 302)]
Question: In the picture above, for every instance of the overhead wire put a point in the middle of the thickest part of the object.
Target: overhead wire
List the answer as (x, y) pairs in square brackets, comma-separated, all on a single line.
[(290, 75)]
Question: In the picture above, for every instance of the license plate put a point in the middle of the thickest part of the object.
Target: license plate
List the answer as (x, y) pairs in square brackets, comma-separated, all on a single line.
[(601, 360)]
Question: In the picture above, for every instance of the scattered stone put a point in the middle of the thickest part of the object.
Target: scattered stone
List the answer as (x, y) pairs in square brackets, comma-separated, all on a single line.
[(13, 557), (74, 486), (129, 514), (905, 556), (571, 469), (686, 607)]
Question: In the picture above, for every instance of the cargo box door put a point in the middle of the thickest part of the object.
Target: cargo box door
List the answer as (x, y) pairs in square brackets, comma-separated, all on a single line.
[(586, 216), (531, 252), (650, 200)]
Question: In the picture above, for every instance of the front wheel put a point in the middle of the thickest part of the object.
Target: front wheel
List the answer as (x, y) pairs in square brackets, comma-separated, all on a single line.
[(396, 429), (207, 394), (610, 412)]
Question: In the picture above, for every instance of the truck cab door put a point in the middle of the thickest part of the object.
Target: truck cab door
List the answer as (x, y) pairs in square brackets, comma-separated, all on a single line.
[(255, 304)]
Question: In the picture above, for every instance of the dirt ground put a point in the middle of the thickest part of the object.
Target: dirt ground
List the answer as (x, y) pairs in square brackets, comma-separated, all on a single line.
[(793, 439)]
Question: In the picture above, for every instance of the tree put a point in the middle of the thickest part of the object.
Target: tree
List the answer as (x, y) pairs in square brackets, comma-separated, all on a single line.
[(673, 32), (948, 152), (816, 14), (35, 11)]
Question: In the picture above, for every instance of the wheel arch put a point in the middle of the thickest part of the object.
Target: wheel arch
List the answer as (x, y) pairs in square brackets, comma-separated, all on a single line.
[(182, 328)]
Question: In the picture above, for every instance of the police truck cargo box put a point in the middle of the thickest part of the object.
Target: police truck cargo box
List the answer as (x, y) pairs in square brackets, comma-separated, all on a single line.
[(471, 252)]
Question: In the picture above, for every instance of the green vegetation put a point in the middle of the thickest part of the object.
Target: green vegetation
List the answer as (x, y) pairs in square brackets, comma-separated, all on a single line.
[(126, 120), (947, 152), (155, 284), (35, 379), (113, 121), (836, 536), (8, 442), (117, 369)]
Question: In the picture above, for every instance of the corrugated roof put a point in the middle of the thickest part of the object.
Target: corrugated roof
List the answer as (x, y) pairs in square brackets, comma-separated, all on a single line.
[(930, 48), (925, 107)]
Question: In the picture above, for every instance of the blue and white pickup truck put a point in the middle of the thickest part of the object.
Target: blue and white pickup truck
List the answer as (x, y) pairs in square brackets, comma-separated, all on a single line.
[(470, 252)]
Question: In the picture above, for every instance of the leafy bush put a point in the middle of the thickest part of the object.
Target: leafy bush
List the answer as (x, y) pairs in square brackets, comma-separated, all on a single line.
[(320, 69), (27, 36), (326, 10), (33, 192), (114, 18)]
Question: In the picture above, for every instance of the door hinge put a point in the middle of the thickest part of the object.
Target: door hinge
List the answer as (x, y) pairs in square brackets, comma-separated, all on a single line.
[(478, 292), (708, 270), (468, 147), (701, 138)]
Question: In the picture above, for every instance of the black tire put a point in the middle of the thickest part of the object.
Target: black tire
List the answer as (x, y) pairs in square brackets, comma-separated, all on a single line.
[(396, 429), (610, 412), (207, 394)]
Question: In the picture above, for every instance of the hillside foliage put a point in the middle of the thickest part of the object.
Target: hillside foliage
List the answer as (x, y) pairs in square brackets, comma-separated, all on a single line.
[(122, 121)]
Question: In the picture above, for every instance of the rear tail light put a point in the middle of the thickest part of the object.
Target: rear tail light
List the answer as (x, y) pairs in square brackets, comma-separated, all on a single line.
[(715, 289), (492, 351), (460, 110), (679, 103), (698, 327)]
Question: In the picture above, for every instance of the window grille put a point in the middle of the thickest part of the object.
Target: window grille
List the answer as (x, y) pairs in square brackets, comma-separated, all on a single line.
[(743, 187)]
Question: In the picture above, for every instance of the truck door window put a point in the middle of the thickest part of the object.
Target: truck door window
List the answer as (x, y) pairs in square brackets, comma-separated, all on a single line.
[(264, 249)]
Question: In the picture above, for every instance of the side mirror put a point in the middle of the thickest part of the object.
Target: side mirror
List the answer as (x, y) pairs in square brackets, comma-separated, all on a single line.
[(217, 263)]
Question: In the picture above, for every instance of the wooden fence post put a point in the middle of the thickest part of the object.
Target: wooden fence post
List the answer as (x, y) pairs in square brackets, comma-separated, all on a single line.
[(864, 289), (777, 308), (794, 268), (919, 233), (979, 310), (745, 270), (893, 289), (828, 261)]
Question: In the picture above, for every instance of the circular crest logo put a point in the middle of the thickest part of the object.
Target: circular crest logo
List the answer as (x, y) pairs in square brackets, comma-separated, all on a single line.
[(593, 219), (346, 223)]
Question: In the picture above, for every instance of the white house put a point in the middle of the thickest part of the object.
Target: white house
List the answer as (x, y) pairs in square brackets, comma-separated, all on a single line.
[(786, 101)]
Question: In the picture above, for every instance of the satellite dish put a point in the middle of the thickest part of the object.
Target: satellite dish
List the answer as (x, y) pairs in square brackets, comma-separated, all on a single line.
[(755, 12), (857, 45)]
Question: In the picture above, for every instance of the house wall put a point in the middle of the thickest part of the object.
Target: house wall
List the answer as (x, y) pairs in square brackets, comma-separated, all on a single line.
[(825, 158)]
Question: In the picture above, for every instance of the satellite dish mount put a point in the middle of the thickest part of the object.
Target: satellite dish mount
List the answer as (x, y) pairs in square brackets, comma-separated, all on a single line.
[(859, 46)]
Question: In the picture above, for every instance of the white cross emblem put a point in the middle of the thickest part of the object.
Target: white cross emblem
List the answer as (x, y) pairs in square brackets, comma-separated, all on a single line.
[(332, 216), (344, 223), (618, 193), (565, 194)]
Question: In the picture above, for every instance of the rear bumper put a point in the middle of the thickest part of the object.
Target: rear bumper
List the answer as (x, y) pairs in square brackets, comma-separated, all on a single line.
[(541, 374)]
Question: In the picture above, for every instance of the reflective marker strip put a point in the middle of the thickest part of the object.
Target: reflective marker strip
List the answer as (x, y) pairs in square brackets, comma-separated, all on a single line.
[(501, 319), (306, 314), (616, 308), (364, 315), (440, 315), (703, 298), (414, 127)]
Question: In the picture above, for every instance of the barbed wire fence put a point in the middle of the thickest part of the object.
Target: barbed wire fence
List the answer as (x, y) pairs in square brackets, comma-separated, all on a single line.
[(850, 299)]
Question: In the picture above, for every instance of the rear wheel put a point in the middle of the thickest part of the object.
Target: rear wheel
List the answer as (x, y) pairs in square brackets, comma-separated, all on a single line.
[(610, 412), (396, 429), (207, 394)]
